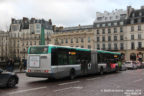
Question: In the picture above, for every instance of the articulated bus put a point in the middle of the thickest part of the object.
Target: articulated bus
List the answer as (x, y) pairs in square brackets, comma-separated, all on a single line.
[(51, 61)]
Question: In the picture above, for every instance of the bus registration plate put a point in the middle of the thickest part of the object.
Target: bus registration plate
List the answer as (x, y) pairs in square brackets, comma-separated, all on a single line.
[(37, 70)]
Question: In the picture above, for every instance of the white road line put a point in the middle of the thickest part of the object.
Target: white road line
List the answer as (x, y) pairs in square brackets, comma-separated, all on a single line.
[(93, 78), (137, 80), (69, 83), (78, 87), (32, 89)]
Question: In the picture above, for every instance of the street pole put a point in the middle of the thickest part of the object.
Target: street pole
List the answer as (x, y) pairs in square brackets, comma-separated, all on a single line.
[(42, 36)]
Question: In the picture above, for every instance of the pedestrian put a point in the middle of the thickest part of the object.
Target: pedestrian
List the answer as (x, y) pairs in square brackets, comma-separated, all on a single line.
[(25, 64), (20, 66), (10, 65)]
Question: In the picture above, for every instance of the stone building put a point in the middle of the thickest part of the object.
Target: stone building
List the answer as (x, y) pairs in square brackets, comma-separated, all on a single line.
[(4, 49), (79, 36), (123, 35), (24, 33), (120, 31)]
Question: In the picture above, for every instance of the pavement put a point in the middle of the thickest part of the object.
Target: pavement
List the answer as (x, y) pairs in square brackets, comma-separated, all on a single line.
[(18, 71), (124, 83)]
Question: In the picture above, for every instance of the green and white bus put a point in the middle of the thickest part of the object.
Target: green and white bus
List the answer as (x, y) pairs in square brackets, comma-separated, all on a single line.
[(51, 61)]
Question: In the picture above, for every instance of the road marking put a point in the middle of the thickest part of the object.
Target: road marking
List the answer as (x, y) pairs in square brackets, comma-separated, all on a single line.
[(93, 78), (78, 87), (69, 83), (21, 91), (137, 80)]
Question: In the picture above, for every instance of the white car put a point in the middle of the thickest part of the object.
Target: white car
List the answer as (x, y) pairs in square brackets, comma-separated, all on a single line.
[(131, 65)]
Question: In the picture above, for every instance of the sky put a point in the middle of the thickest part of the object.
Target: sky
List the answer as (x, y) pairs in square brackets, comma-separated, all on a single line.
[(65, 13)]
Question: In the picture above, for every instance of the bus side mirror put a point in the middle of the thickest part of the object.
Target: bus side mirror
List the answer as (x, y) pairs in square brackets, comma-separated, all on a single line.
[(1, 71)]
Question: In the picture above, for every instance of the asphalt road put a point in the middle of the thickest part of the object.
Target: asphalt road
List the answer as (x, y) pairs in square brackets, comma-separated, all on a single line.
[(125, 83)]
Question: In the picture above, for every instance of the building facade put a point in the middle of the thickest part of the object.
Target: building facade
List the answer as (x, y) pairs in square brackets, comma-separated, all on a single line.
[(123, 35), (24, 33), (79, 36), (119, 30), (4, 49)]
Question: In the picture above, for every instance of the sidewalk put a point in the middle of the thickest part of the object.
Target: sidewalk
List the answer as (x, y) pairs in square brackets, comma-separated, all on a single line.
[(18, 71)]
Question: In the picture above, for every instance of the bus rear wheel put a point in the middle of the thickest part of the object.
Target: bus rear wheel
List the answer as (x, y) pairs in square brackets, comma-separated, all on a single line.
[(72, 74), (101, 71)]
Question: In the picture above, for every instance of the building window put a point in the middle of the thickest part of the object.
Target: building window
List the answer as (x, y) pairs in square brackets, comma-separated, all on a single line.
[(115, 46), (115, 23), (109, 24), (121, 46), (139, 44), (132, 28), (82, 46), (109, 38), (97, 31), (98, 46), (139, 36), (103, 31), (132, 37), (109, 46), (132, 45), (82, 40), (98, 39), (139, 27), (89, 46), (103, 25), (121, 29), (30, 42), (109, 30), (76, 40), (66, 41), (103, 46), (103, 38), (71, 40), (115, 38), (115, 30), (121, 37), (121, 23), (61, 41), (88, 39)]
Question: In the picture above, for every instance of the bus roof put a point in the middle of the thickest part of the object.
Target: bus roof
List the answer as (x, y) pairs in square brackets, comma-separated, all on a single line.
[(102, 51), (68, 47), (76, 48)]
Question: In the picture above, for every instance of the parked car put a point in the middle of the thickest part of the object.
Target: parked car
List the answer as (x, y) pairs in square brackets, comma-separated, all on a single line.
[(131, 65), (123, 67), (138, 64), (8, 79), (142, 65)]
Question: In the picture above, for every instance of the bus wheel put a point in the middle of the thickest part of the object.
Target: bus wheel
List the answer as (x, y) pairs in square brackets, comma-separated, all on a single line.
[(72, 74), (101, 71)]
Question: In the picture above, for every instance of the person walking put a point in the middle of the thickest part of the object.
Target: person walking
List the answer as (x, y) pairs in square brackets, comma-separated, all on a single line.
[(25, 64), (20, 66), (10, 65)]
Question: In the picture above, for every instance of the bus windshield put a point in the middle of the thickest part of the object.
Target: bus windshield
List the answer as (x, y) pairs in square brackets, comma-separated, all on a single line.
[(39, 50)]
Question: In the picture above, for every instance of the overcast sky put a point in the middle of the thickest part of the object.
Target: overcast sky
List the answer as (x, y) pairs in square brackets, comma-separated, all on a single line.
[(62, 12)]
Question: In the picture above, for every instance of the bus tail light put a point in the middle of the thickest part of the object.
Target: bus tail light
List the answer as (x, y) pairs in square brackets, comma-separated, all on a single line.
[(29, 70), (46, 71)]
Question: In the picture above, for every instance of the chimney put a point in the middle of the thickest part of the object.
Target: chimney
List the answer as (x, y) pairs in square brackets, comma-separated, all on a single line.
[(12, 20), (129, 10), (142, 7)]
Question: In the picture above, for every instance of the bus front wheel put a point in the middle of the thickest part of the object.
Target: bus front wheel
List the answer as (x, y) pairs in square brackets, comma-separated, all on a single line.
[(72, 74), (101, 71)]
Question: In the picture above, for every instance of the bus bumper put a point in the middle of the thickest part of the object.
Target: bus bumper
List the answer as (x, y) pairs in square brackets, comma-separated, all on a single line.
[(43, 75)]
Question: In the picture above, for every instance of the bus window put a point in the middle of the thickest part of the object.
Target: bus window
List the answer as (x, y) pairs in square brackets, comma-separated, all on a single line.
[(62, 58), (72, 59), (39, 50)]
